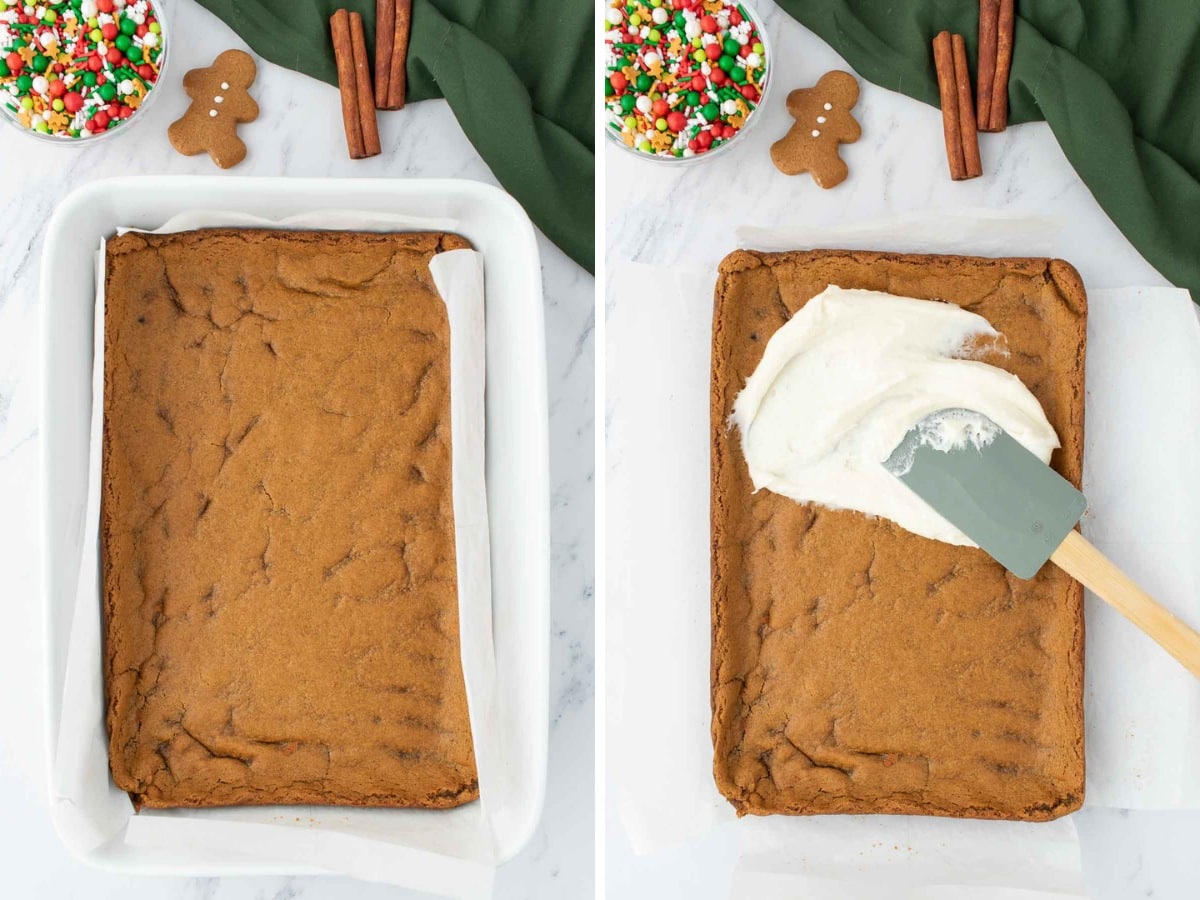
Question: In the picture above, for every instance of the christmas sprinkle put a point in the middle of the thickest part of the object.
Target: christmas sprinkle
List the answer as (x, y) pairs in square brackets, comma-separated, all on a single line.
[(80, 68), (682, 76)]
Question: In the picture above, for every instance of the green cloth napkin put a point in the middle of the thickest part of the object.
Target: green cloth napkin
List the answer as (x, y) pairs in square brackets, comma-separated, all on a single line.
[(1118, 81), (517, 73)]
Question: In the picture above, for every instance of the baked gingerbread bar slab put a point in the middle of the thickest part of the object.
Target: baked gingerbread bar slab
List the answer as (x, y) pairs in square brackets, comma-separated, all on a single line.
[(859, 668), (279, 580)]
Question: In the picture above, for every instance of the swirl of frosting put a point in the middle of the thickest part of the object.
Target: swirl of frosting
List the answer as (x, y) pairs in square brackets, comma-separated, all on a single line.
[(842, 382)]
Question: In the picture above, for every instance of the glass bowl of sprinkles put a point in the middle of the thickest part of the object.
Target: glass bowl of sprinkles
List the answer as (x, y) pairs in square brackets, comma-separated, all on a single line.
[(81, 70), (683, 78)]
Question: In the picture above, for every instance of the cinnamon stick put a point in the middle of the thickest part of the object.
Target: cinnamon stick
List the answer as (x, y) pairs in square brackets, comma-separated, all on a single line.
[(343, 53), (365, 96), (397, 83), (998, 118), (385, 28), (943, 61), (989, 22), (966, 112)]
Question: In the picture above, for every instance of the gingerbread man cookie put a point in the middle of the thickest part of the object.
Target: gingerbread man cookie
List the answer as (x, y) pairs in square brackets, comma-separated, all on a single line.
[(220, 100), (823, 121)]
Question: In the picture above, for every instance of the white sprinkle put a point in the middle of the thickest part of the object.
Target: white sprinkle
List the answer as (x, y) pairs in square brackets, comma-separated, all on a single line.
[(816, 133), (224, 86), (212, 112), (829, 106), (659, 16), (613, 16), (218, 99), (820, 120)]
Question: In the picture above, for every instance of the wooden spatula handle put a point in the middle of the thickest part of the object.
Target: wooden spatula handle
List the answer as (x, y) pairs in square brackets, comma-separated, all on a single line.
[(1081, 560)]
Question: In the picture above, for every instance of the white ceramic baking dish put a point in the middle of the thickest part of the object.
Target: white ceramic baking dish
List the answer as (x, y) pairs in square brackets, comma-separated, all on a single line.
[(517, 450)]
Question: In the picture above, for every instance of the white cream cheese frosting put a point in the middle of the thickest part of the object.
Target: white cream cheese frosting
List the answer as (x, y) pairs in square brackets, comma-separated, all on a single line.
[(842, 382)]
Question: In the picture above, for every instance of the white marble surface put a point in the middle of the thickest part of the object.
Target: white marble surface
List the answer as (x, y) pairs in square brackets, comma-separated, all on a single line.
[(687, 215), (299, 134)]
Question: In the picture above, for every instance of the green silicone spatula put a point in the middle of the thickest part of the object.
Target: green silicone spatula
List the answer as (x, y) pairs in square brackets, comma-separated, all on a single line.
[(1023, 513)]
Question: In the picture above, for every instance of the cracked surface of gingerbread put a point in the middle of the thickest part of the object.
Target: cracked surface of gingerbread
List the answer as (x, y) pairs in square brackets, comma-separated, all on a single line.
[(859, 668), (279, 579)]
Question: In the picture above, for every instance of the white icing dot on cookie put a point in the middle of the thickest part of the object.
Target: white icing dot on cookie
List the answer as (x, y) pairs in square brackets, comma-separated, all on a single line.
[(829, 106), (820, 120), (225, 87), (816, 133), (212, 112), (222, 100)]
